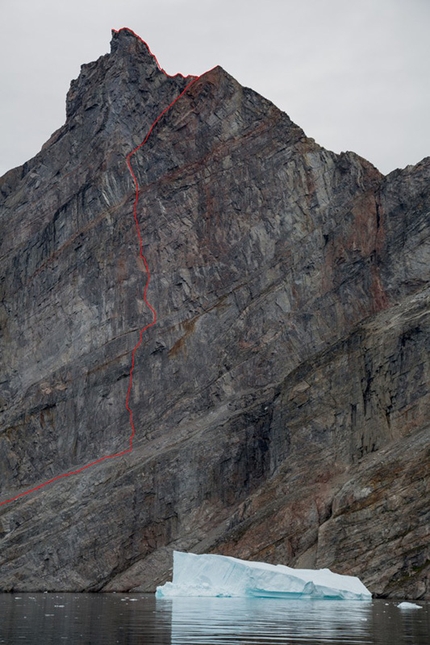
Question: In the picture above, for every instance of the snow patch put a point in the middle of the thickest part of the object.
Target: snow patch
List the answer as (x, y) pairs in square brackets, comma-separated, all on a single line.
[(219, 575)]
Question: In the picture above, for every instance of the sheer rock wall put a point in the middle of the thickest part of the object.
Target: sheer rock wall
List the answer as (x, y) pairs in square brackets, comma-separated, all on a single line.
[(281, 401)]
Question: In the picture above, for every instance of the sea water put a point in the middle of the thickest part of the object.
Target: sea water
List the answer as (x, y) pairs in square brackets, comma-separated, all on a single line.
[(111, 619)]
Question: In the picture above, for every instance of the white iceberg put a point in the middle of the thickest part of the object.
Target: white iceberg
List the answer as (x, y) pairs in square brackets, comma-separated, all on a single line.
[(409, 605), (225, 576)]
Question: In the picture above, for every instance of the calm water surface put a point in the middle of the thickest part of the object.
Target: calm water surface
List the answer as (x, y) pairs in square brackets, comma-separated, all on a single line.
[(105, 619)]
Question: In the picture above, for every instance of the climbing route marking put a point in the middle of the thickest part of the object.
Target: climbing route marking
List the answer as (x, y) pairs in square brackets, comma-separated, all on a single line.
[(145, 299)]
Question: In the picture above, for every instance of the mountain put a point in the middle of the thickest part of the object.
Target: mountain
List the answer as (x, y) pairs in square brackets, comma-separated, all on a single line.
[(214, 338)]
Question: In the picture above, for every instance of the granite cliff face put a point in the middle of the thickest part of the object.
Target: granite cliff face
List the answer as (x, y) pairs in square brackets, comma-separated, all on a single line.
[(281, 402)]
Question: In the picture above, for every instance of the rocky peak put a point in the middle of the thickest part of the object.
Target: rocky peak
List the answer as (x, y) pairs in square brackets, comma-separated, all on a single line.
[(288, 371), (125, 43), (128, 73)]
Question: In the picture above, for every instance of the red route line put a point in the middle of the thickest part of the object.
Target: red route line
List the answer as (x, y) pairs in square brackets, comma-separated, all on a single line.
[(142, 256), (145, 299)]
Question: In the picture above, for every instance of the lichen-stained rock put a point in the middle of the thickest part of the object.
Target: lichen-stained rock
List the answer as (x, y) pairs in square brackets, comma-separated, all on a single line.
[(281, 401)]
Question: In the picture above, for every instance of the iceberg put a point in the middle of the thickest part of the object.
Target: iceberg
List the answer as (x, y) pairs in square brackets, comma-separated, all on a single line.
[(409, 605), (225, 576)]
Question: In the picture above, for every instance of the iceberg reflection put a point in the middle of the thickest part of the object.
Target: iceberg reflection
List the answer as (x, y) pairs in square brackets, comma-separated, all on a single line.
[(222, 621)]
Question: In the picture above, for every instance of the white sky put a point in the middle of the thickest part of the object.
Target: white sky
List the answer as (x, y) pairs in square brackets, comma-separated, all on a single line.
[(354, 74)]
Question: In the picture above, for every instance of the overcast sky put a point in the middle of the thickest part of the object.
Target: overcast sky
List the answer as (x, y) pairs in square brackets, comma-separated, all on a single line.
[(354, 74)]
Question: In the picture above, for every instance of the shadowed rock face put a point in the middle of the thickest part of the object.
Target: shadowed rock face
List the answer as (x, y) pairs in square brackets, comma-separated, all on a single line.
[(281, 401)]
